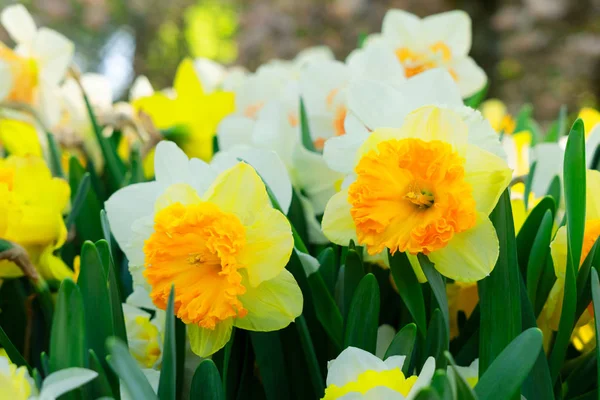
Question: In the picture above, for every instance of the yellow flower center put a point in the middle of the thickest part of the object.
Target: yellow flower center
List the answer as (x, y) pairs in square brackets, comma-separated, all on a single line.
[(415, 62), (410, 195), (194, 247), (393, 379), (24, 73)]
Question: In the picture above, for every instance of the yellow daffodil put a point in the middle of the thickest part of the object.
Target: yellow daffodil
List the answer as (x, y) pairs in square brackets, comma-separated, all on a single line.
[(217, 240), (17, 384), (357, 374), (462, 297), (191, 112), (32, 209), (143, 336), (437, 41), (550, 316), (495, 111), (19, 138), (423, 188), (36, 66)]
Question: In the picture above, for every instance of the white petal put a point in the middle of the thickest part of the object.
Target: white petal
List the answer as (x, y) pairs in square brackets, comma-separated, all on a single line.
[(97, 88), (591, 144), (549, 159), (469, 76), (393, 362), (65, 380), (313, 54), (379, 62), (481, 133), (309, 263), (140, 298), (377, 105), (202, 175), (313, 227), (273, 131), (141, 88), (402, 29), (49, 103), (424, 378), (54, 53), (18, 23), (210, 73), (318, 81), (128, 205), (377, 393), (452, 28), (435, 86), (350, 364), (385, 335), (171, 164), (5, 80), (234, 130), (268, 165)]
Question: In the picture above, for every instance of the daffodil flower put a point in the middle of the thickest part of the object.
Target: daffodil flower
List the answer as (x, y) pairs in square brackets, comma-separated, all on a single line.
[(357, 374), (437, 41), (144, 336), (19, 137), (191, 113), (17, 384), (549, 318), (217, 240), (423, 188), (32, 220), (36, 66)]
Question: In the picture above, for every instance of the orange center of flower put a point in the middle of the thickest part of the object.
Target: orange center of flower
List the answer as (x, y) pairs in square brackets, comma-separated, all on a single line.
[(410, 195), (195, 247), (24, 73), (415, 62)]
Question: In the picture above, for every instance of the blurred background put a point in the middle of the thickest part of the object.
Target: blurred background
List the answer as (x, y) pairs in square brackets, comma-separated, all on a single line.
[(546, 52)]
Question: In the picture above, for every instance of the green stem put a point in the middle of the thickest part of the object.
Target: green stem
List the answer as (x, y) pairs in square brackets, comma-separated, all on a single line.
[(311, 357)]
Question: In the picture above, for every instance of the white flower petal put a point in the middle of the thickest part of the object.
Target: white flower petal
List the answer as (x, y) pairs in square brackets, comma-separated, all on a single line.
[(424, 378), (141, 88), (385, 335), (171, 164), (452, 28), (350, 364), (19, 24), (402, 29), (54, 53), (65, 380), (234, 130), (6, 80), (469, 76)]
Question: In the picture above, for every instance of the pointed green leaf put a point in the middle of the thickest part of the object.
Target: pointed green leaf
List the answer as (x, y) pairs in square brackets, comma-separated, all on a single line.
[(326, 309), (305, 129), (99, 386), (463, 390), (55, 157), (168, 371), (86, 221), (11, 351), (123, 364), (363, 318), (409, 288), (596, 305), (503, 379), (555, 189), (269, 357), (403, 345), (540, 249), (438, 286), (78, 201), (475, 100), (530, 229), (206, 383), (442, 386), (353, 273), (436, 343), (427, 394)]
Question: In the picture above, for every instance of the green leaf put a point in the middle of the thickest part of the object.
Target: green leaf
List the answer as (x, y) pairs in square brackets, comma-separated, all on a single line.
[(114, 165), (126, 368), (529, 184), (596, 305), (55, 157), (93, 284), (363, 318), (558, 127), (499, 293), (305, 129), (136, 172), (530, 229), (575, 185), (310, 356), (555, 190), (438, 285), (353, 273), (87, 219), (105, 228), (296, 215), (427, 394), (442, 386), (463, 390), (269, 357), (100, 385), (584, 290), (545, 284), (503, 379), (12, 352), (68, 335), (206, 383), (328, 268), (116, 299), (523, 117), (475, 100), (168, 371), (80, 196), (326, 309), (540, 249), (436, 342), (409, 288), (403, 345)]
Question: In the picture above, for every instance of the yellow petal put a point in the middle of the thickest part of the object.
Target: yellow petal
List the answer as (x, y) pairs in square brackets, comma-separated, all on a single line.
[(53, 267), (239, 190), (590, 119), (558, 249), (272, 305), (519, 213), (470, 255), (268, 246), (488, 175), (9, 269), (187, 83), (177, 193), (337, 223), (205, 342), (592, 194), (19, 138), (494, 111)]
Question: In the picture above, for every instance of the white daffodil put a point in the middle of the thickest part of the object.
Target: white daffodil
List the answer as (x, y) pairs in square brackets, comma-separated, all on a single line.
[(217, 239), (75, 127), (37, 65), (215, 76), (17, 384), (144, 335), (437, 41), (357, 374)]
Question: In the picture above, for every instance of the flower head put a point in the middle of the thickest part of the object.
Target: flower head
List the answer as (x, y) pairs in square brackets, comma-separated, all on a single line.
[(144, 336), (218, 241), (423, 188), (32, 220), (360, 374)]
